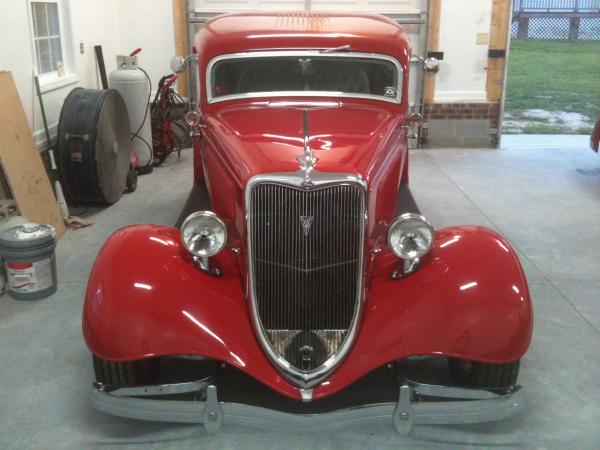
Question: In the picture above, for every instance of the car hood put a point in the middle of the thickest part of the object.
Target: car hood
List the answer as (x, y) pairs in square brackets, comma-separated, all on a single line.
[(348, 138)]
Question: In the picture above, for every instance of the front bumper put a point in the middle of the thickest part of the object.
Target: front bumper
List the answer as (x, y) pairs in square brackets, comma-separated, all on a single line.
[(414, 407)]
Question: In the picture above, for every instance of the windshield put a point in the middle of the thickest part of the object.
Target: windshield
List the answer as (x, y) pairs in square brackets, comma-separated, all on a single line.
[(304, 74)]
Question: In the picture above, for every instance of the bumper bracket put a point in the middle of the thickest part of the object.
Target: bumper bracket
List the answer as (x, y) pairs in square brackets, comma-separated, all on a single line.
[(212, 416)]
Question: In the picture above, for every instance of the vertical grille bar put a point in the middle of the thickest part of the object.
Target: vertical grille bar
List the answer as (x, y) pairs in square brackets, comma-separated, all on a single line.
[(306, 258)]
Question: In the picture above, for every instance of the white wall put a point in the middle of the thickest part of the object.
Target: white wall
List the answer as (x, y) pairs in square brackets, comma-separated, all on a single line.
[(119, 26), (92, 22), (15, 53), (148, 24), (462, 75)]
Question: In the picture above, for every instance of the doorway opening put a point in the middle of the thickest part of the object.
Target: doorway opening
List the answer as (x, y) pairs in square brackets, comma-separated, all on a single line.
[(553, 68)]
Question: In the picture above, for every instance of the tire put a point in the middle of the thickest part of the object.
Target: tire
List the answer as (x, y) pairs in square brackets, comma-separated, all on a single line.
[(160, 158), (145, 170), (182, 132), (132, 181), (116, 373), (126, 373), (482, 375)]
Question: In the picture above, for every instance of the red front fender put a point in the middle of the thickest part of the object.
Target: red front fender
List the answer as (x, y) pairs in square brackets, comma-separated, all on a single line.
[(145, 298)]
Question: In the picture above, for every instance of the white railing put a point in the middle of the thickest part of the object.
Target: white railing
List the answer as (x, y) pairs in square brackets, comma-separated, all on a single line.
[(556, 5)]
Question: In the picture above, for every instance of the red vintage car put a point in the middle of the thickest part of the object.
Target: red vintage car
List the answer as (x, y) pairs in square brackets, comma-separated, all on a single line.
[(303, 287)]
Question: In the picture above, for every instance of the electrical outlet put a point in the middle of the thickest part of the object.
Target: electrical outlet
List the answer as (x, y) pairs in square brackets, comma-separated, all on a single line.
[(483, 38), (81, 48)]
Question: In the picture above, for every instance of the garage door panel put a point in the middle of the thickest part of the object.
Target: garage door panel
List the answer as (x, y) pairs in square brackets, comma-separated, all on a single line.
[(382, 6), (247, 5)]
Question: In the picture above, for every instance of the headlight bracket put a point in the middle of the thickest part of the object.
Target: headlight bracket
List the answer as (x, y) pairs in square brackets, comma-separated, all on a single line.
[(409, 266), (206, 266)]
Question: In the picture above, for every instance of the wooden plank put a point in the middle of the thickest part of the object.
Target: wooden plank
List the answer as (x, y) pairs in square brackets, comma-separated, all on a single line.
[(4, 187), (181, 40), (21, 161), (433, 44), (500, 28)]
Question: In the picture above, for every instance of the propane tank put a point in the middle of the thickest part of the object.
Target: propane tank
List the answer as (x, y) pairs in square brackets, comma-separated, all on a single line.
[(133, 85)]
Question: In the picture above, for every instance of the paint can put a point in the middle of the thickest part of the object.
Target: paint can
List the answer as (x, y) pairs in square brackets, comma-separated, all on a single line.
[(9, 217), (29, 260)]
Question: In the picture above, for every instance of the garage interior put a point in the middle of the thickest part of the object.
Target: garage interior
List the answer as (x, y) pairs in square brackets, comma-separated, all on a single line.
[(540, 192)]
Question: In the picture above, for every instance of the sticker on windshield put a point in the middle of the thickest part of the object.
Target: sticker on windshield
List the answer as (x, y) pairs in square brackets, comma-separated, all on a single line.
[(391, 92)]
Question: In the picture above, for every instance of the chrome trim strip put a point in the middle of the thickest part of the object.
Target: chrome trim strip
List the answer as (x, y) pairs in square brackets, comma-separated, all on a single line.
[(310, 379), (407, 411), (288, 94), (160, 389), (311, 53)]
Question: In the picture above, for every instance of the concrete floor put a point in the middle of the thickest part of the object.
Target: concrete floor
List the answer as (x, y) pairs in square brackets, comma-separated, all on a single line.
[(546, 202)]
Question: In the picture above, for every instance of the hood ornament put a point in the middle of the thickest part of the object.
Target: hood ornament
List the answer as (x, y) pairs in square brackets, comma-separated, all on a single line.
[(308, 160)]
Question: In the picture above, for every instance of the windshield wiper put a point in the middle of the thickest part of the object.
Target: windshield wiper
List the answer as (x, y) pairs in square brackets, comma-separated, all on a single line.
[(341, 48)]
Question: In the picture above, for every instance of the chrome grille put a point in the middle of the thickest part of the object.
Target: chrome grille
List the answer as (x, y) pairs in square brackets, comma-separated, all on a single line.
[(306, 257)]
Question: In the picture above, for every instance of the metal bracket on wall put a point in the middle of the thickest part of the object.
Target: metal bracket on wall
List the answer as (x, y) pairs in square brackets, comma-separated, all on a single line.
[(437, 55), (497, 53)]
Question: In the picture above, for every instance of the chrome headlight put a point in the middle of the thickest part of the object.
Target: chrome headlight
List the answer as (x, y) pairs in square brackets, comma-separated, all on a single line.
[(410, 236), (204, 234)]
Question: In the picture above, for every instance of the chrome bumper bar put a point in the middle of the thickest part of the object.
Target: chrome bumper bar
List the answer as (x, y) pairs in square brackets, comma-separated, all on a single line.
[(465, 406)]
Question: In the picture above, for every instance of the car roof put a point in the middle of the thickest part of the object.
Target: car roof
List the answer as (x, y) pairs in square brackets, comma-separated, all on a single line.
[(250, 31)]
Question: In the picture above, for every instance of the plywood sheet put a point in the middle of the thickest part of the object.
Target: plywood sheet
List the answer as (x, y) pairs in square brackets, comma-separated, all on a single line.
[(22, 163)]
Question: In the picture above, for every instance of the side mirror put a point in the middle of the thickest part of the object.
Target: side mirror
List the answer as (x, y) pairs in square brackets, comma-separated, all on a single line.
[(415, 120), (192, 118), (431, 65), (178, 64)]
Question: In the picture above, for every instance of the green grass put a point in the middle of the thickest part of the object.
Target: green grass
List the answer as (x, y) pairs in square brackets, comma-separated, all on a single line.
[(551, 128), (555, 76)]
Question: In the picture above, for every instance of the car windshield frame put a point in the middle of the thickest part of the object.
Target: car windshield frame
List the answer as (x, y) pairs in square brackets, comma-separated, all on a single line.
[(302, 53)]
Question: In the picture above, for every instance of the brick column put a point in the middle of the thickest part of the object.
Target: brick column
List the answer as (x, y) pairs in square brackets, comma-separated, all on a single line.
[(460, 124)]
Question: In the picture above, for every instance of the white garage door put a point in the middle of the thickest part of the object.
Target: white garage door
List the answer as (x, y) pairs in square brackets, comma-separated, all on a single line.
[(411, 14), (380, 6)]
